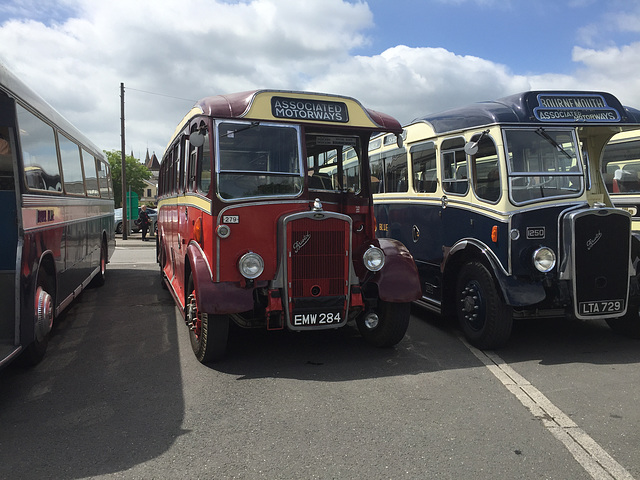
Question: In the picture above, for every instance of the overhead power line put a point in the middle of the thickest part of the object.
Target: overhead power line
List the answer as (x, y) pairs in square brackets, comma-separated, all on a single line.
[(161, 95)]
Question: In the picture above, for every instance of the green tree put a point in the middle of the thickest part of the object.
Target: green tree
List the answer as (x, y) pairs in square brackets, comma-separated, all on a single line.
[(136, 173)]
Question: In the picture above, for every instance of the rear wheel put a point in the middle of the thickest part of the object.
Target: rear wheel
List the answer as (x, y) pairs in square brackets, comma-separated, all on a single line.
[(100, 277), (484, 318), (208, 333), (389, 327)]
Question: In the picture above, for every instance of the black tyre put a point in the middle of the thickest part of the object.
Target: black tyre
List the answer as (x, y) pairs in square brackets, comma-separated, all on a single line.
[(101, 276), (393, 321), (629, 324), (208, 333), (44, 308), (484, 318), (119, 227), (161, 261)]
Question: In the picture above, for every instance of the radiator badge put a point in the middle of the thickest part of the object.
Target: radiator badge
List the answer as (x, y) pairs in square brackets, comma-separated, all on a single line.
[(301, 243), (592, 242)]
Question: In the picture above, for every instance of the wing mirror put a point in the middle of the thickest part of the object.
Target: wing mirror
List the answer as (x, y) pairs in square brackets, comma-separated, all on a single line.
[(197, 138)]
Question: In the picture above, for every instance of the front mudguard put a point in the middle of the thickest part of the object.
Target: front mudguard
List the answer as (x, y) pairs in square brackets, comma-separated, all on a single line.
[(516, 292), (398, 281), (216, 298)]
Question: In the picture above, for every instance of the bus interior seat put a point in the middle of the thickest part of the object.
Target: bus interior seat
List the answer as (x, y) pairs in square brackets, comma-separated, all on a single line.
[(608, 181), (320, 181)]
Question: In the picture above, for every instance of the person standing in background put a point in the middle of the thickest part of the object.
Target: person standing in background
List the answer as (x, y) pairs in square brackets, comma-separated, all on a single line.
[(143, 222)]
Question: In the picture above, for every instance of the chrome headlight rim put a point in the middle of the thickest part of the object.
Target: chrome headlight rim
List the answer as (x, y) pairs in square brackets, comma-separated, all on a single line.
[(373, 259), (251, 265), (544, 259)]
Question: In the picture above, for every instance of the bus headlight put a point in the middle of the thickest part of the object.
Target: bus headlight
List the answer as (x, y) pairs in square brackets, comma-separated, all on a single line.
[(373, 259), (251, 265), (544, 259)]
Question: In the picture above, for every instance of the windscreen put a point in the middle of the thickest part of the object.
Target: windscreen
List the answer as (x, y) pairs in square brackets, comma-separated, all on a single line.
[(257, 160), (542, 163)]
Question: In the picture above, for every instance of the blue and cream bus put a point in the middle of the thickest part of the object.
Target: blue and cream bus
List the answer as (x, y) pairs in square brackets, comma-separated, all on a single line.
[(56, 220), (503, 206)]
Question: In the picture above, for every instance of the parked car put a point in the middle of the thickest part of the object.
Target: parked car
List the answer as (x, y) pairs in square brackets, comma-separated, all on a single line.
[(153, 215)]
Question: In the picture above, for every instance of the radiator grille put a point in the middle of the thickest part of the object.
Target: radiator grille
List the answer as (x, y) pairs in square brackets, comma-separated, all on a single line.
[(318, 257)]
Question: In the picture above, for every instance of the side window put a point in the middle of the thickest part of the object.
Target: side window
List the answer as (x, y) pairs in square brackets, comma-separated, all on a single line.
[(486, 173), (377, 174), (351, 170), (423, 161), (90, 177), (454, 166), (104, 179), (621, 167), (395, 169), (41, 168), (204, 166), (191, 165), (184, 165), (180, 169), (71, 166), (161, 177)]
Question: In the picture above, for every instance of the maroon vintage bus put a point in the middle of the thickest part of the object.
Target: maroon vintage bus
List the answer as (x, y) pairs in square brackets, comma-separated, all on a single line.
[(265, 218)]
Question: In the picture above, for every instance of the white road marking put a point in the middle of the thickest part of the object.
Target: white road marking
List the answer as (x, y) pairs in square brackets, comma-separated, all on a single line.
[(591, 456)]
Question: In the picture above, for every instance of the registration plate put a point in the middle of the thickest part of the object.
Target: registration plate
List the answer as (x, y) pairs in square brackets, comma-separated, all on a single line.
[(316, 319), (601, 307)]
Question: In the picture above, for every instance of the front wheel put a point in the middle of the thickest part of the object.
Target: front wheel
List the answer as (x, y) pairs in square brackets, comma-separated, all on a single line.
[(208, 333), (43, 305), (389, 325), (484, 318)]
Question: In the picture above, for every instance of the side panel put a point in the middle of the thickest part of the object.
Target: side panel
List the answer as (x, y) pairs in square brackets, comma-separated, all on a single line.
[(430, 231), (419, 227)]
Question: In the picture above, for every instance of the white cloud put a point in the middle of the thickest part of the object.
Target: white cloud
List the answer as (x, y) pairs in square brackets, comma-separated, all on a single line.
[(411, 82), (189, 50), (196, 48), (613, 70)]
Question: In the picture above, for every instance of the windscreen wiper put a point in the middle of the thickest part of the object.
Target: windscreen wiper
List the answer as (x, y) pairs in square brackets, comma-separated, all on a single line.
[(540, 131), (233, 132)]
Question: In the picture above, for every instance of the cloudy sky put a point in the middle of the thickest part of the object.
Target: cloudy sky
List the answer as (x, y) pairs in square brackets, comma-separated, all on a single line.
[(403, 57)]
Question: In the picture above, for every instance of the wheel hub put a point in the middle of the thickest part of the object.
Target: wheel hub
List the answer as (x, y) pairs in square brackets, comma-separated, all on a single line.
[(471, 303), (192, 315), (44, 314)]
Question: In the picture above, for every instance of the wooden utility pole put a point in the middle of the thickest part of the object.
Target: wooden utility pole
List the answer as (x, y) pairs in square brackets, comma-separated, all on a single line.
[(123, 177)]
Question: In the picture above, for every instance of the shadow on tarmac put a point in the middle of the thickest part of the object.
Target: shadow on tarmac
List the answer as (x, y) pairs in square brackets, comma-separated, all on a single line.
[(107, 396)]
